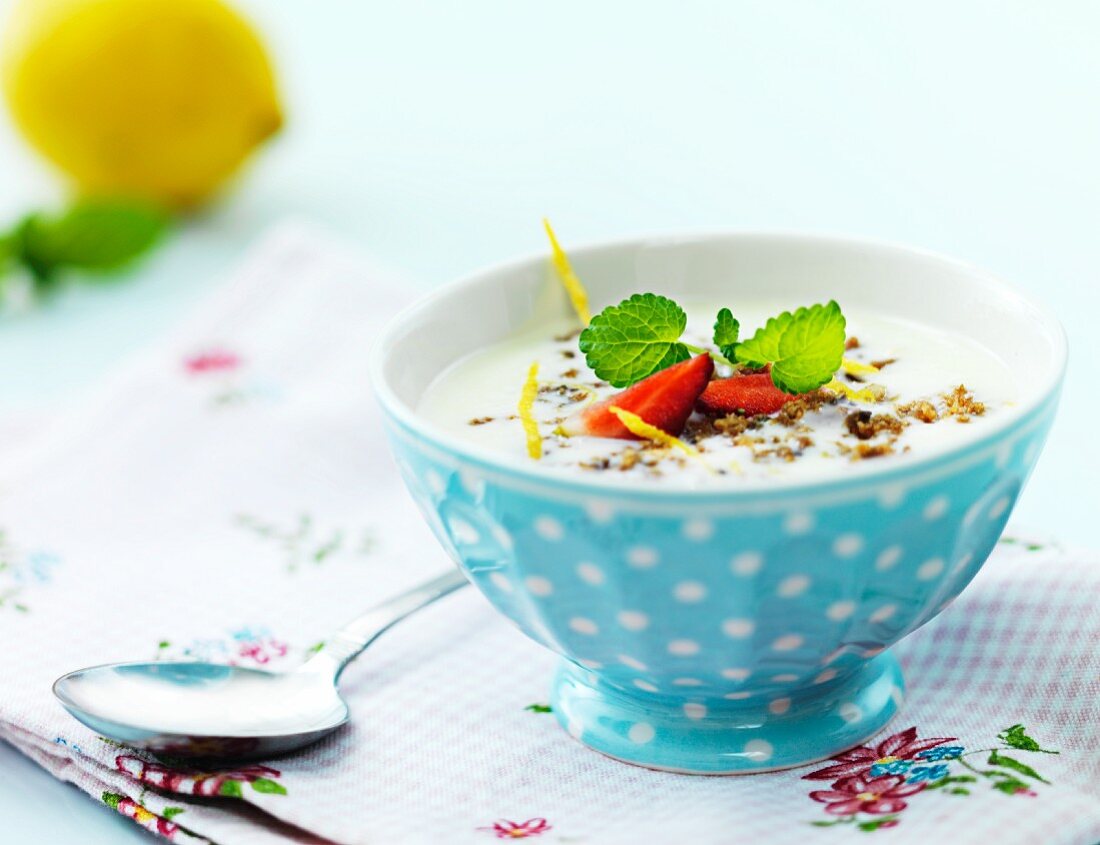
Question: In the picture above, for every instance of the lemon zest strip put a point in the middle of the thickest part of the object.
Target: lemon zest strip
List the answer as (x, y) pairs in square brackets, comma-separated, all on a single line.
[(640, 428), (526, 416), (577, 294), (865, 395), (858, 368)]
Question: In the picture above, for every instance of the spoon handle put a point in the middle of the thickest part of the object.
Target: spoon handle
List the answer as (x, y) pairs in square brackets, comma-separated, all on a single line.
[(347, 643)]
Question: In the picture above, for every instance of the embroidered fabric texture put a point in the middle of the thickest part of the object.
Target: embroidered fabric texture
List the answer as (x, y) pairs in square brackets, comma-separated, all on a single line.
[(230, 497)]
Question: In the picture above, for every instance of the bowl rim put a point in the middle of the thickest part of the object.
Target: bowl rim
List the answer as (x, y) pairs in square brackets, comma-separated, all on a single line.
[(598, 483)]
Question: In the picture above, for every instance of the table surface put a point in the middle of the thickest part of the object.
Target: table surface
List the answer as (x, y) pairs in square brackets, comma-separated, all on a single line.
[(435, 136)]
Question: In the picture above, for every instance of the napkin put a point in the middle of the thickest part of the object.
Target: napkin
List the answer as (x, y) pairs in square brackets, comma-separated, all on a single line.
[(229, 497)]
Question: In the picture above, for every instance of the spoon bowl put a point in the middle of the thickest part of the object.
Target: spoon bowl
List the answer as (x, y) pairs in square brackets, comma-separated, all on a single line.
[(203, 709)]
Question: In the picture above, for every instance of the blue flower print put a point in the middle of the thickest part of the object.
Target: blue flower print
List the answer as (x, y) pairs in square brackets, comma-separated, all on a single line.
[(941, 752), (927, 773), (894, 767)]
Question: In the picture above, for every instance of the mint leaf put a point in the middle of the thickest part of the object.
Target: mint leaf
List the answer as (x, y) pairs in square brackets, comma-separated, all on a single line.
[(624, 343), (1016, 737), (112, 799), (804, 348), (268, 786), (96, 235), (997, 759), (171, 812), (230, 789), (726, 330)]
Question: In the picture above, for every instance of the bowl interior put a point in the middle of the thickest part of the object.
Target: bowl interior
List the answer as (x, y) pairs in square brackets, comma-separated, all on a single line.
[(796, 269)]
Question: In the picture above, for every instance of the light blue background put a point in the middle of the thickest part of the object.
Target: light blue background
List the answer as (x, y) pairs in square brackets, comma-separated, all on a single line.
[(436, 134)]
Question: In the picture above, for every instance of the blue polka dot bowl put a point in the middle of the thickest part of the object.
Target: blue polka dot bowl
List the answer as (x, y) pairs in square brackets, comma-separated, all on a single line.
[(744, 627)]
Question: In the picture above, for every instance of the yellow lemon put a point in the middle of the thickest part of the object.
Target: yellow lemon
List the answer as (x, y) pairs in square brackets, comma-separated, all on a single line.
[(161, 99)]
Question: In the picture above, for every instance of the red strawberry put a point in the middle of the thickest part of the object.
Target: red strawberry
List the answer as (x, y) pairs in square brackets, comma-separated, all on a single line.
[(664, 399), (754, 394)]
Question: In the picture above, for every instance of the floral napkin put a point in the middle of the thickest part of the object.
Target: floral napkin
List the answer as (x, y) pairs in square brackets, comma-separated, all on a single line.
[(229, 497)]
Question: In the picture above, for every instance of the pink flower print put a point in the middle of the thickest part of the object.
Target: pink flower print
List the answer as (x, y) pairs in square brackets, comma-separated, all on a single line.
[(903, 745), (262, 651), (133, 810), (857, 794), (504, 829), (226, 783), (211, 361)]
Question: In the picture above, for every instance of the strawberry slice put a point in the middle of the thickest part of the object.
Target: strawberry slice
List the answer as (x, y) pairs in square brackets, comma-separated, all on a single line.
[(755, 393), (664, 400)]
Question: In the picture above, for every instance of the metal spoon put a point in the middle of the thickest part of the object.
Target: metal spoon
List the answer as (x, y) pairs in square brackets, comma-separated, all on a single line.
[(208, 710)]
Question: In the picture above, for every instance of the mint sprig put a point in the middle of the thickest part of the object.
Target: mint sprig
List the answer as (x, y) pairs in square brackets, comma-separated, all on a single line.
[(93, 235), (726, 331), (624, 343), (627, 342), (804, 347)]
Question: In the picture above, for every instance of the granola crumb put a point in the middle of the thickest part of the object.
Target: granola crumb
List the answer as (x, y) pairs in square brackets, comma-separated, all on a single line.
[(883, 363), (864, 425), (961, 404), (565, 338), (796, 409), (480, 421), (921, 409), (629, 459), (866, 451), (572, 372), (851, 343)]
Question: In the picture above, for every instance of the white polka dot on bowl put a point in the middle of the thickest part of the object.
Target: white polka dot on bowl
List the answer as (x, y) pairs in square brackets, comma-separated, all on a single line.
[(642, 557), (590, 574), (847, 545), (538, 586), (694, 710), (936, 508), (549, 528), (584, 626), (632, 662), (795, 585), (683, 648), (888, 558), (850, 712), (798, 523), (747, 563), (838, 611), (737, 628), (930, 569), (884, 613), (641, 733), (689, 591), (698, 530), (789, 642), (633, 620)]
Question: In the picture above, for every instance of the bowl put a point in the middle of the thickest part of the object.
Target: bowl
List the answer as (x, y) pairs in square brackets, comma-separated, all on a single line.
[(733, 630)]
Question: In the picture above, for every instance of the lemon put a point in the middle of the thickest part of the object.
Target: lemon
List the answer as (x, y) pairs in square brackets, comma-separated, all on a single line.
[(160, 99)]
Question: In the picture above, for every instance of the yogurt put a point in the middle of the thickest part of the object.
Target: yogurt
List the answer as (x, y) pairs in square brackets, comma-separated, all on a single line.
[(931, 388)]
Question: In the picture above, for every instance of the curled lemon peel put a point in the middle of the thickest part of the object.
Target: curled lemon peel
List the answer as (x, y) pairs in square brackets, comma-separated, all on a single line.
[(577, 294), (858, 368), (526, 416), (640, 428), (866, 394)]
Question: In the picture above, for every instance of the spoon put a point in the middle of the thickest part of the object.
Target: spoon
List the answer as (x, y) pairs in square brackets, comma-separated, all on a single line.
[(192, 709)]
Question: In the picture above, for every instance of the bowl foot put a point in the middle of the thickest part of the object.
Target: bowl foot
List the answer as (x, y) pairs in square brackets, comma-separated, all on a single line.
[(715, 736)]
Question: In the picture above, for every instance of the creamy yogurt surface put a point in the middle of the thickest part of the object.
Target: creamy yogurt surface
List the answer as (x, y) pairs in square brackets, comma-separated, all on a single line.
[(932, 388)]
